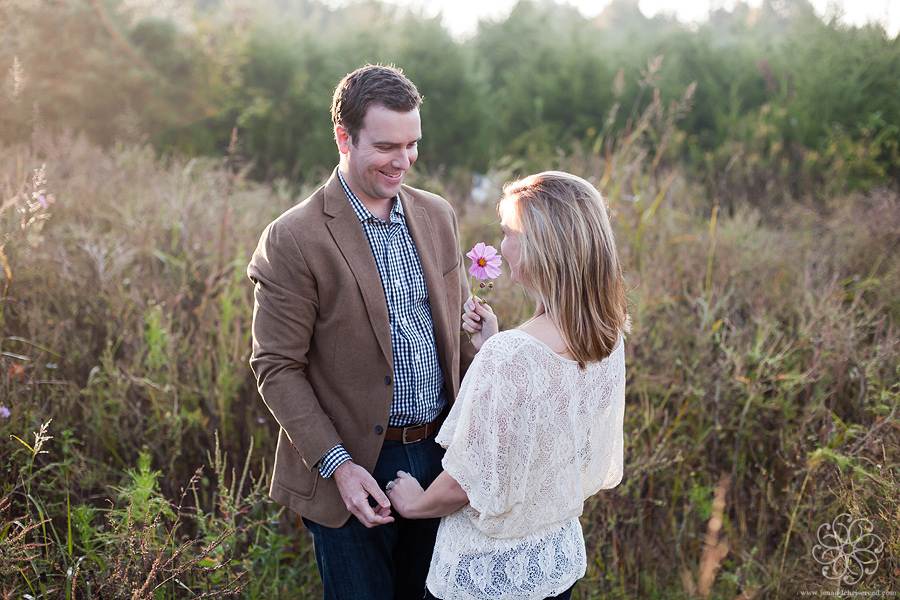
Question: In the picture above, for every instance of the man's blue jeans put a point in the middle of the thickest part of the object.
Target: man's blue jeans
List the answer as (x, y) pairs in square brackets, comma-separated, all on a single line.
[(388, 562)]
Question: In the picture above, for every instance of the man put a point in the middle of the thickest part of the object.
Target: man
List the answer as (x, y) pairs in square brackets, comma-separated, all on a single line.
[(356, 342)]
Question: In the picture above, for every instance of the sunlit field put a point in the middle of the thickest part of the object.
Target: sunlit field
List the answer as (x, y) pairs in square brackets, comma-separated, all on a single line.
[(763, 366)]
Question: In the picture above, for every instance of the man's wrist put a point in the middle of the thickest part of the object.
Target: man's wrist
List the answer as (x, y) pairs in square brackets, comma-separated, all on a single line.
[(332, 460)]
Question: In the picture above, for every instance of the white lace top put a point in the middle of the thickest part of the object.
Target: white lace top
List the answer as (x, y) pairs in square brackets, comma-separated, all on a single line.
[(529, 438)]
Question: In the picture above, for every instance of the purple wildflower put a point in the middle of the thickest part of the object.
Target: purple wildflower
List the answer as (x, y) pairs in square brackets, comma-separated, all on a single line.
[(485, 261)]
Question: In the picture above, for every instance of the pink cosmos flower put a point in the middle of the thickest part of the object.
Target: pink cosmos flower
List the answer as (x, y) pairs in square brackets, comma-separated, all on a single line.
[(485, 261)]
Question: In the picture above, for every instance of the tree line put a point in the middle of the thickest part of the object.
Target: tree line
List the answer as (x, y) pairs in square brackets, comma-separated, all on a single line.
[(776, 93)]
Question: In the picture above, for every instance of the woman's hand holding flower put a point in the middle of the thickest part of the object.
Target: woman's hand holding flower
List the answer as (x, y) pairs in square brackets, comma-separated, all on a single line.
[(479, 321)]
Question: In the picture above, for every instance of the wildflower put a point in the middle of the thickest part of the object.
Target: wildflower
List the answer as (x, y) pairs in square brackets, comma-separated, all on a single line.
[(485, 265), (17, 371), (4, 412), (45, 200), (260, 420), (485, 261)]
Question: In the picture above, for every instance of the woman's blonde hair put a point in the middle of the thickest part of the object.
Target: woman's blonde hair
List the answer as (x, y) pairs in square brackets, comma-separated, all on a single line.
[(568, 260)]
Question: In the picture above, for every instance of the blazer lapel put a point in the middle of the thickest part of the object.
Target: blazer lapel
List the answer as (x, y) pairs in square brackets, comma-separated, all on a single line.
[(420, 228), (347, 233)]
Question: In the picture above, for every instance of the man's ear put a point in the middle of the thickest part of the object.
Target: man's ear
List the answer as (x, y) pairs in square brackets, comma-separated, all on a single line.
[(342, 137)]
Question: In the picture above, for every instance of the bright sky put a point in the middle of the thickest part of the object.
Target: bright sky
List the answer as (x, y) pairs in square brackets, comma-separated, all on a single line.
[(461, 16)]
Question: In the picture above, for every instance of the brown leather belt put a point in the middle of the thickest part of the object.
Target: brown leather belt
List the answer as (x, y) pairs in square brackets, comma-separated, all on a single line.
[(411, 434)]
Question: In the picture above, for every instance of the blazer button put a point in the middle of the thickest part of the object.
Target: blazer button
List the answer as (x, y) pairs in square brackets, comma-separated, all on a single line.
[(378, 430), (387, 380)]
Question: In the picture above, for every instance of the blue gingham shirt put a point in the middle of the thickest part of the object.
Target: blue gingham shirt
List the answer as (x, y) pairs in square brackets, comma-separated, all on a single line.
[(419, 394)]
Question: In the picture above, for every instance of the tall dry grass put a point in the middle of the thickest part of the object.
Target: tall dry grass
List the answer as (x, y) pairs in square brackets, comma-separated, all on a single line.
[(763, 382)]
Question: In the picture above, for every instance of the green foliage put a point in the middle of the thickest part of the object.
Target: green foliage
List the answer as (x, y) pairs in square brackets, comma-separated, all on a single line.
[(142, 492), (842, 78), (143, 546), (548, 80), (526, 86), (458, 122)]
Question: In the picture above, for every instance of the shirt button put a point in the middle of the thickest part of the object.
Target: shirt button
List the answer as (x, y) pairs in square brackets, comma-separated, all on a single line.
[(378, 430), (387, 380)]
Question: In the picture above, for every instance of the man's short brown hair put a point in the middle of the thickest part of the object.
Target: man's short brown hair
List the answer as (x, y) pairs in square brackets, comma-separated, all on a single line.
[(371, 85)]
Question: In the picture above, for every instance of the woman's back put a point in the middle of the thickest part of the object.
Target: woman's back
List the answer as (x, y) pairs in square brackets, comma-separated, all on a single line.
[(530, 437), (532, 434)]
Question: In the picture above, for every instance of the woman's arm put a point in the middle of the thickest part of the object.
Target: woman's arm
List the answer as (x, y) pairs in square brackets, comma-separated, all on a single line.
[(442, 497)]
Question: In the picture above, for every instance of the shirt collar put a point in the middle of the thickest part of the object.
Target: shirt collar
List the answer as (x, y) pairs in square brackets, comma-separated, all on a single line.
[(363, 213)]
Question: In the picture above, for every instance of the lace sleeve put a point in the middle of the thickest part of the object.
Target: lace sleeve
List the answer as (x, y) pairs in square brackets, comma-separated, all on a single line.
[(479, 432)]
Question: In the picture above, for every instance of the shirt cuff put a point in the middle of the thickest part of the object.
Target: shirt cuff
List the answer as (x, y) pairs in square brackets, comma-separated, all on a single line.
[(332, 460)]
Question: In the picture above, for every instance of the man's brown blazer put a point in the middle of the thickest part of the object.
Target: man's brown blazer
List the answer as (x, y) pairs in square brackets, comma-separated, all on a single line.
[(321, 339)]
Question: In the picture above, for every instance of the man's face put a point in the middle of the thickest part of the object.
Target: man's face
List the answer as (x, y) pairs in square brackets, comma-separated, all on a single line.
[(387, 146)]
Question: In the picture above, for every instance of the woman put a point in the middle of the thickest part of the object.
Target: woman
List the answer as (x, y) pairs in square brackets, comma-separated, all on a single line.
[(537, 426)]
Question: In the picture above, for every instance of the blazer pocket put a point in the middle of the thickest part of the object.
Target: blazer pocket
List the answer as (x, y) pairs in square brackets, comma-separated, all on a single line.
[(291, 475), (305, 487)]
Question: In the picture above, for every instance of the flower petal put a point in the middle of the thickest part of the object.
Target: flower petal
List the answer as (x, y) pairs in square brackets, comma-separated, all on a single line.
[(491, 271), (477, 251), (478, 272)]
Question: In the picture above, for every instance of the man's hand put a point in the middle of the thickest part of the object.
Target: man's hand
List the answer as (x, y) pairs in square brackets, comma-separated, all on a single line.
[(356, 485)]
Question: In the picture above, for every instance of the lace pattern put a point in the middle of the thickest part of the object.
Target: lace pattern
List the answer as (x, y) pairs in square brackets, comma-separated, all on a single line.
[(529, 438), (538, 566)]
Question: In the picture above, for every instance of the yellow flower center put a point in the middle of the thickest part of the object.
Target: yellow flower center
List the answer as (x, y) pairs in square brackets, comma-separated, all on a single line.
[(481, 262)]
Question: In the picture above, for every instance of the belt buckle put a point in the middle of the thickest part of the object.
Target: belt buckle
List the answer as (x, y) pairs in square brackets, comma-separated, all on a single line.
[(403, 439)]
